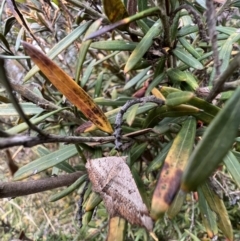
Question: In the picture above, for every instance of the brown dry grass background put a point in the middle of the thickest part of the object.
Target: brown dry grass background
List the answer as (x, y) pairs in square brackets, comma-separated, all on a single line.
[(38, 218)]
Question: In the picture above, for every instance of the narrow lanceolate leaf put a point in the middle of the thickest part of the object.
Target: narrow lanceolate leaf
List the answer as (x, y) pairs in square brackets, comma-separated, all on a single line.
[(178, 98), (157, 162), (84, 48), (176, 205), (208, 112), (217, 205), (189, 47), (28, 108), (147, 12), (69, 189), (209, 218), (154, 115), (45, 162), (171, 173), (93, 200), (188, 59), (157, 93), (233, 166), (225, 52), (142, 47), (114, 45), (60, 46), (65, 84), (115, 11), (132, 114), (116, 229), (24, 126), (215, 144), (178, 76)]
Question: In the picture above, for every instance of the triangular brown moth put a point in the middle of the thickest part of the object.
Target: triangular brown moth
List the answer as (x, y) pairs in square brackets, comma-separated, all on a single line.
[(113, 180)]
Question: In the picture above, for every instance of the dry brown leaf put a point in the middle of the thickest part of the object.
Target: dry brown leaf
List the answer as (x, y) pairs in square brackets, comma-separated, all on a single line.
[(68, 87), (112, 179)]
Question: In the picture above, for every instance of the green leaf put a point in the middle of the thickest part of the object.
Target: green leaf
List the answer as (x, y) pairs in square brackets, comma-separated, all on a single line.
[(125, 21), (87, 73), (233, 166), (136, 78), (157, 162), (60, 46), (65, 166), (132, 114), (142, 109), (69, 189), (226, 30), (114, 45), (177, 76), (194, 238), (143, 46), (140, 186), (188, 59), (28, 108), (226, 50), (215, 144), (186, 30), (98, 84), (189, 48), (208, 216), (137, 151), (23, 126), (178, 98), (84, 48), (93, 200), (217, 205), (45, 162)]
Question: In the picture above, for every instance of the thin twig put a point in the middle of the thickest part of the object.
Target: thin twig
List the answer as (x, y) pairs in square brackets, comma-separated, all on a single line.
[(225, 6), (196, 19), (203, 92), (211, 22), (43, 103), (16, 189), (88, 10), (30, 141), (165, 22), (233, 65), (7, 84), (118, 122), (80, 210)]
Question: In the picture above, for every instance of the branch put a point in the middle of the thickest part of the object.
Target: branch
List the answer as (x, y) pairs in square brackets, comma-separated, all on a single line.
[(211, 22), (233, 65), (119, 118), (15, 189), (196, 19), (43, 103), (203, 92), (30, 141), (7, 84)]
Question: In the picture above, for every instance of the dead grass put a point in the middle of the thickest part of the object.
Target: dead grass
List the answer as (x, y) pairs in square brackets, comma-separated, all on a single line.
[(38, 218)]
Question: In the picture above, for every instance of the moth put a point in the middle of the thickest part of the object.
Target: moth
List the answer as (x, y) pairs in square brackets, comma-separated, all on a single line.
[(113, 180)]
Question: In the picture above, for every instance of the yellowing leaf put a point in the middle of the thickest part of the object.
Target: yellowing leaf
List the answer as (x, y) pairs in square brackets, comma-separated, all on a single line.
[(117, 229), (68, 87), (114, 10), (171, 173)]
